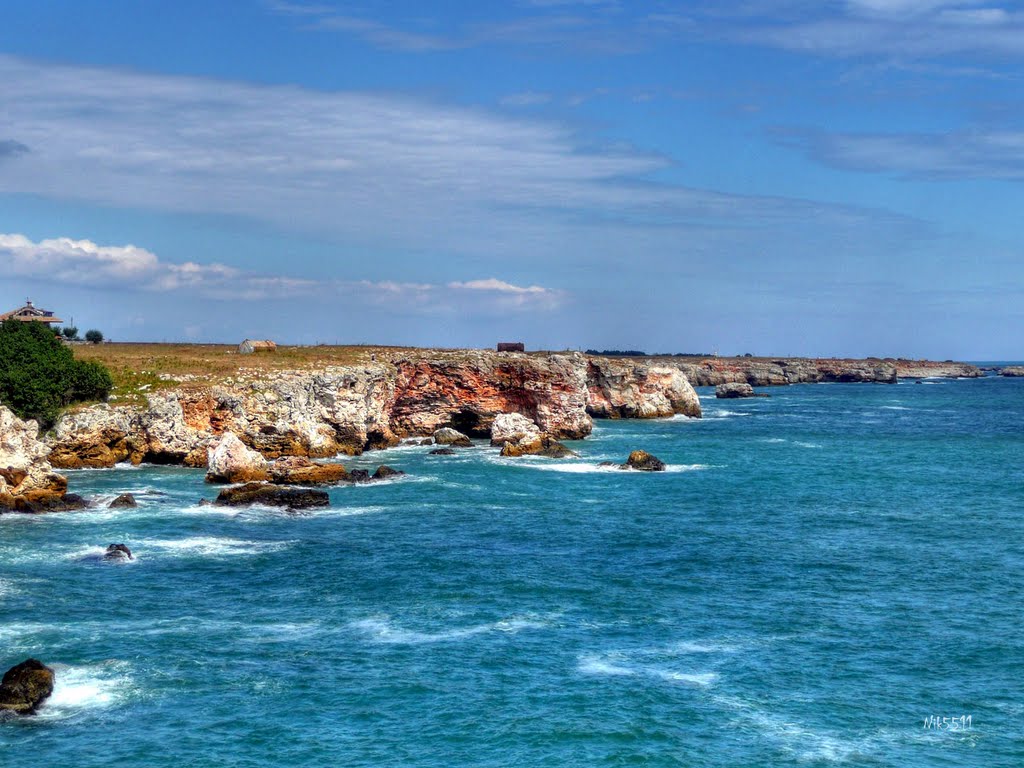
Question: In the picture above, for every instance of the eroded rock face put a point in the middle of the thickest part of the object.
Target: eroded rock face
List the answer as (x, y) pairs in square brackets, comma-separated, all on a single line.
[(272, 495), (25, 686), (622, 389), (349, 409), (231, 461), (645, 462), (26, 473)]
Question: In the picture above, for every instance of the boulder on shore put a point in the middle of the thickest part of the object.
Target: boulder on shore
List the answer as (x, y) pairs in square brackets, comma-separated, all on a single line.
[(25, 686), (125, 500), (452, 437), (232, 461), (118, 552), (644, 462), (271, 495), (734, 390)]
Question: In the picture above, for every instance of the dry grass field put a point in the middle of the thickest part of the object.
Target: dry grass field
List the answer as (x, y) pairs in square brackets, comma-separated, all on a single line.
[(141, 368)]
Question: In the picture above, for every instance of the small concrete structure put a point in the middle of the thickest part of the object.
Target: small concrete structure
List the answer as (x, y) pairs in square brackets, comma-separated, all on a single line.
[(31, 313), (249, 346), (511, 346)]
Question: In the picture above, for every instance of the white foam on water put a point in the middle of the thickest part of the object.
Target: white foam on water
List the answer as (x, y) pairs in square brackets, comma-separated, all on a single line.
[(800, 740), (79, 690), (773, 440), (618, 665), (583, 468), (806, 445), (7, 588), (687, 646), (722, 413), (896, 408), (211, 546), (381, 630)]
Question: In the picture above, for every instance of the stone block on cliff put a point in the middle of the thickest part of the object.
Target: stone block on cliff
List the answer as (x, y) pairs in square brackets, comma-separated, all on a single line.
[(231, 461), (452, 437)]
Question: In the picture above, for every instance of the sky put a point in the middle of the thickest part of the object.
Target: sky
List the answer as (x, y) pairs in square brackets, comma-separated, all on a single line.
[(775, 177)]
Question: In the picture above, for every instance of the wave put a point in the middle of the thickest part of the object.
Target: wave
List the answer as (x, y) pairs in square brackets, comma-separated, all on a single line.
[(806, 445), (582, 468), (209, 546), (79, 690), (896, 408), (721, 413), (381, 630)]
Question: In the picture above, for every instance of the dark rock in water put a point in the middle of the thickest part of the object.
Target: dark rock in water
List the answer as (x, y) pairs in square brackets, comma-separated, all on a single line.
[(25, 686), (124, 500), (70, 502), (735, 390), (442, 452), (384, 471), (427, 441), (359, 476), (609, 464), (272, 495), (118, 552), (644, 462)]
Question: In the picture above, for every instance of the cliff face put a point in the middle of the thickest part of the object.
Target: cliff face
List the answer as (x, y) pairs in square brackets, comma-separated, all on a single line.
[(766, 373), (348, 409), (25, 473)]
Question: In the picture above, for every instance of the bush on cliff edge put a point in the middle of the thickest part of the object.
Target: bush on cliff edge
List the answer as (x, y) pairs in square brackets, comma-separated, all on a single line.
[(39, 375)]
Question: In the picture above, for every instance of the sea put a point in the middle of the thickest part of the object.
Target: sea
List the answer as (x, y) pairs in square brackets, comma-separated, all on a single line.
[(833, 575)]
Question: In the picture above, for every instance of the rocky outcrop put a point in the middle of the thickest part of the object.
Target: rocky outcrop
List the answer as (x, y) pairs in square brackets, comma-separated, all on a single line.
[(620, 389), (232, 461), (124, 501), (543, 445), (118, 553), (298, 470), (349, 409), (513, 428), (735, 390), (27, 480), (1012, 371), (272, 495), (763, 372), (25, 686), (451, 437), (645, 462)]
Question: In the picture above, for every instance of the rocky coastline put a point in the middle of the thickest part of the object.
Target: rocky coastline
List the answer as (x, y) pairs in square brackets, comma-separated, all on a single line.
[(347, 409)]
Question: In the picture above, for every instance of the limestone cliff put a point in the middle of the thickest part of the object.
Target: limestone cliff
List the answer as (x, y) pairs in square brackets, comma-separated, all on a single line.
[(349, 409), (26, 475)]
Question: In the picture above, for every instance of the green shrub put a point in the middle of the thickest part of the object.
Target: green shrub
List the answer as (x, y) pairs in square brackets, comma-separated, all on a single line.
[(39, 375), (93, 336), (70, 332)]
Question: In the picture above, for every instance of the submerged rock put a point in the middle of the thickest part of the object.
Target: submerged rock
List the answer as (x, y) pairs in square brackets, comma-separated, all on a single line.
[(427, 441), (442, 452), (272, 495), (359, 476), (452, 437), (644, 462), (25, 686), (118, 552), (125, 500)]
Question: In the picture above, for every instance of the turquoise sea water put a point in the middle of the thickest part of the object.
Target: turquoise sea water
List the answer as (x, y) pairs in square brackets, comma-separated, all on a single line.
[(819, 574)]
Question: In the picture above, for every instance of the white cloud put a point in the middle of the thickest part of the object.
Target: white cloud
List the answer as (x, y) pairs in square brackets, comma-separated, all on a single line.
[(84, 263)]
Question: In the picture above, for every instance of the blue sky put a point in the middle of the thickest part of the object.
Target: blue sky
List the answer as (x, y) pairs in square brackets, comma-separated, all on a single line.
[(766, 176)]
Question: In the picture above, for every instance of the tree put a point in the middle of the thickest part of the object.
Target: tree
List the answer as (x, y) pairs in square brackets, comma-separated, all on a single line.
[(70, 332), (93, 336), (39, 375)]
